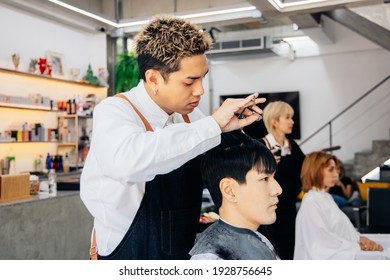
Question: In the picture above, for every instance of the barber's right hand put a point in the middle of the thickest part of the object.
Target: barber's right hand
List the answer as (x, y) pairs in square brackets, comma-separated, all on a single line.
[(226, 115)]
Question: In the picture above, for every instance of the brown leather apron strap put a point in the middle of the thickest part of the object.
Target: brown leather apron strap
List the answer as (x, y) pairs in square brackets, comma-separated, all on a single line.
[(146, 123), (268, 144)]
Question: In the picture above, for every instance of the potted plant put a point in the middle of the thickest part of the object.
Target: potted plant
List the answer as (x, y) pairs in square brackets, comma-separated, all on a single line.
[(126, 72)]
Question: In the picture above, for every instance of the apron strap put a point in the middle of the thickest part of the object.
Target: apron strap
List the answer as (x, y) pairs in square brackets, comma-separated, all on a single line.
[(146, 123), (267, 143)]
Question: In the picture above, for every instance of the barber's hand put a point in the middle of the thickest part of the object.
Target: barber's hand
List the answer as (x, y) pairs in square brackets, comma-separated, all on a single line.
[(235, 113), (369, 245)]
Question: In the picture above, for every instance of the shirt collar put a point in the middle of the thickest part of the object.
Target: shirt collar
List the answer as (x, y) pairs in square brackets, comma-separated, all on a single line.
[(156, 116), (286, 147)]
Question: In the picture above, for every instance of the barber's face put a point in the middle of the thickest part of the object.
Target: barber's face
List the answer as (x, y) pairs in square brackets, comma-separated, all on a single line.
[(182, 91)]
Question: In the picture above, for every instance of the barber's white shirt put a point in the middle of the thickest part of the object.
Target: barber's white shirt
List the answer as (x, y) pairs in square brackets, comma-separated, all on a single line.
[(123, 156)]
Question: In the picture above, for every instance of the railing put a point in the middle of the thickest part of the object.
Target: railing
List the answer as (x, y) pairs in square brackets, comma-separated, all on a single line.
[(329, 123)]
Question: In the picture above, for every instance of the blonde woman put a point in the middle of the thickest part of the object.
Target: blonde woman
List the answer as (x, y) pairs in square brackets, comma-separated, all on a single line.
[(323, 231), (278, 119)]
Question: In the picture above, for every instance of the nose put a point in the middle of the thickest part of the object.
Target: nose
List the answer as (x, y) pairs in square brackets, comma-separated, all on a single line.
[(276, 189), (198, 89)]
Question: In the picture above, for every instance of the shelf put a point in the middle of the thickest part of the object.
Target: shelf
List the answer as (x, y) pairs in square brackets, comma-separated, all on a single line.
[(27, 107), (74, 116), (64, 144), (43, 77), (28, 142)]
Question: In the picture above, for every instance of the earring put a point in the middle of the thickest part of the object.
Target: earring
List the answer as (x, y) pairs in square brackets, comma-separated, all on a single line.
[(155, 91)]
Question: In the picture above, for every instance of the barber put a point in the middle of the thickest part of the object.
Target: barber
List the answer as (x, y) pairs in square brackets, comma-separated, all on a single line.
[(141, 180)]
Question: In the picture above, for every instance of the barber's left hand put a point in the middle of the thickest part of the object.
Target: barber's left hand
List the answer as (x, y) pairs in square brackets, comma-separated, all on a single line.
[(236, 113)]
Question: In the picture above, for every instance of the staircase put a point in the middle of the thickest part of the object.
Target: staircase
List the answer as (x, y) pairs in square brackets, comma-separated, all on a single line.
[(364, 162)]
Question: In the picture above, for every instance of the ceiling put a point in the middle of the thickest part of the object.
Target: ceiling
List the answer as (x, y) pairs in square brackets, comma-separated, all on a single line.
[(277, 18), (274, 13)]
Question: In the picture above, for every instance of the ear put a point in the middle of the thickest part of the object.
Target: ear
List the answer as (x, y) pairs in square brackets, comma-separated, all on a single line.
[(152, 78), (274, 123), (228, 188)]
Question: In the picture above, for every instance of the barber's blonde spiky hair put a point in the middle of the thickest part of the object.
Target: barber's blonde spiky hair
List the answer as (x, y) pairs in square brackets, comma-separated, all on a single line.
[(168, 39)]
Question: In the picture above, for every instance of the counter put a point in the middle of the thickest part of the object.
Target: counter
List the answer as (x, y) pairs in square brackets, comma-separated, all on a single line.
[(45, 227)]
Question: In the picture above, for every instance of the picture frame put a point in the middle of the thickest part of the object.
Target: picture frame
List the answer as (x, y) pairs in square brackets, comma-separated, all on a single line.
[(57, 62)]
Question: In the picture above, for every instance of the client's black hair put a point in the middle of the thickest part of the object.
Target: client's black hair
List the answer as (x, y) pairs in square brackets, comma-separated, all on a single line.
[(234, 158)]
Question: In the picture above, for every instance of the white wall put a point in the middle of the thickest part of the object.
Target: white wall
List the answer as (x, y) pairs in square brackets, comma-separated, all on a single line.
[(329, 78), (32, 36)]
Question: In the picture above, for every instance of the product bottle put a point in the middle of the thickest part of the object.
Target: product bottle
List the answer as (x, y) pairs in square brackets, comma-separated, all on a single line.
[(38, 163), (73, 107), (12, 164), (60, 166), (48, 161), (69, 107), (65, 163), (54, 162), (52, 178)]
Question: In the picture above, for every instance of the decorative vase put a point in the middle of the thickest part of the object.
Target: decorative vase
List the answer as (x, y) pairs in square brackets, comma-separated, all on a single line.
[(32, 66), (16, 60), (103, 76), (48, 68), (74, 73), (42, 65)]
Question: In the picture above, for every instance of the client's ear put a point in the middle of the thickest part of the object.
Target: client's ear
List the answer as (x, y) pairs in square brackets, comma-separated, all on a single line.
[(228, 187)]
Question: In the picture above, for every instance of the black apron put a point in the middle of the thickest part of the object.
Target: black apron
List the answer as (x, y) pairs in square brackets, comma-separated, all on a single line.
[(167, 220)]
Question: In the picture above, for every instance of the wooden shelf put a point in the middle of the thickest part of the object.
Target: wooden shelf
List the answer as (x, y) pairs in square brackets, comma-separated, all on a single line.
[(43, 77), (27, 107), (29, 142), (74, 116), (64, 144)]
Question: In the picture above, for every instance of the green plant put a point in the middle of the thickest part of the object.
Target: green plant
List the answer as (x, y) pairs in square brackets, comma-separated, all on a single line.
[(90, 77), (126, 72)]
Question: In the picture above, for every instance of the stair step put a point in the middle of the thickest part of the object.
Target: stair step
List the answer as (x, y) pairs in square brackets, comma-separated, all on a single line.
[(381, 146), (366, 161)]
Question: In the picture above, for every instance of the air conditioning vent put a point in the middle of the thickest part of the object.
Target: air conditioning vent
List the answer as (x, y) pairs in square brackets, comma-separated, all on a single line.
[(241, 49)]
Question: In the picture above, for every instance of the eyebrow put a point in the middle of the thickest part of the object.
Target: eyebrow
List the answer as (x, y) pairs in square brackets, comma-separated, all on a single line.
[(195, 78)]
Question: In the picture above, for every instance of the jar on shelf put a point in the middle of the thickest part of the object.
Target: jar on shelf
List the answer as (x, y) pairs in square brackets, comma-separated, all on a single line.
[(34, 184)]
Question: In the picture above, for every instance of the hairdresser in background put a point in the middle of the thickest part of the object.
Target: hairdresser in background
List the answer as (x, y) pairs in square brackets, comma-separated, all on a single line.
[(278, 119)]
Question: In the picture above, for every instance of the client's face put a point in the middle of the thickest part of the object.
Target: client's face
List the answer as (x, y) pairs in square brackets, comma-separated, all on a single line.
[(331, 174), (258, 199)]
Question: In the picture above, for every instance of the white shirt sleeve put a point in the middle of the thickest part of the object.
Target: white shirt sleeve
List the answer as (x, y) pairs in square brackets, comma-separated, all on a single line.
[(125, 151)]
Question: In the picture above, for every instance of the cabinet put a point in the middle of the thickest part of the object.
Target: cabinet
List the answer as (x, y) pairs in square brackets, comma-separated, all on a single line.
[(13, 115), (74, 134)]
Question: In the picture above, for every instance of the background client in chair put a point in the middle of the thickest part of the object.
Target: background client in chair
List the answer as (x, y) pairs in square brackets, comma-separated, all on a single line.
[(323, 231)]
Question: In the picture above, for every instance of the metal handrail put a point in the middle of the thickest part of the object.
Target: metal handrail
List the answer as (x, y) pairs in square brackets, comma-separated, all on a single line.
[(329, 123)]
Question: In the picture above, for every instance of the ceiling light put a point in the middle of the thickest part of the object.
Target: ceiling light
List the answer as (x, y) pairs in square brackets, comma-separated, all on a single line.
[(300, 5), (140, 22), (281, 5), (88, 14), (218, 12)]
